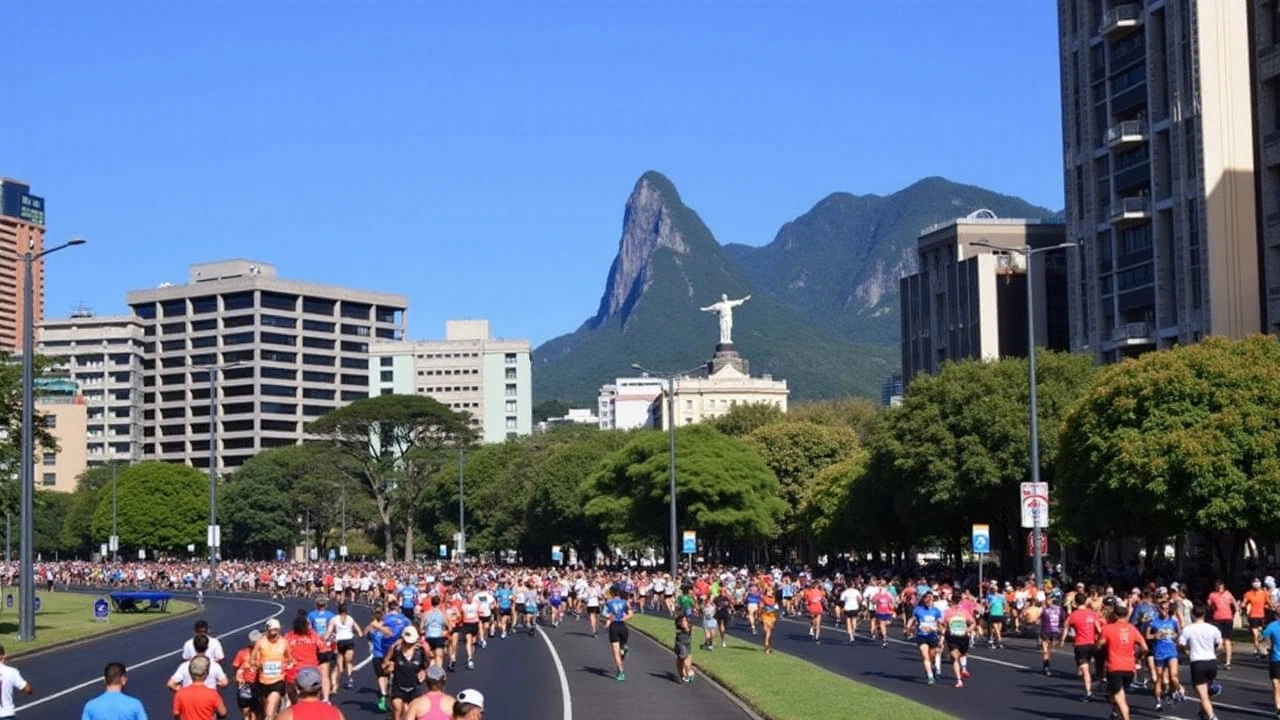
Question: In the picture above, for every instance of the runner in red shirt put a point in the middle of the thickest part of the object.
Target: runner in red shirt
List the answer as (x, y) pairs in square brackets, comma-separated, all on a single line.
[(1222, 608), (1083, 624), (1120, 640), (815, 602), (304, 648)]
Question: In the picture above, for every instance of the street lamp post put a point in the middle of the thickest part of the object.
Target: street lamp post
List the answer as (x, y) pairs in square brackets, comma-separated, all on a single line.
[(674, 558), (114, 540), (1028, 252), (213, 535), (462, 512), (27, 585)]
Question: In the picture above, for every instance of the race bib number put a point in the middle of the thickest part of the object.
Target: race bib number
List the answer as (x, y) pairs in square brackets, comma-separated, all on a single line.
[(271, 667)]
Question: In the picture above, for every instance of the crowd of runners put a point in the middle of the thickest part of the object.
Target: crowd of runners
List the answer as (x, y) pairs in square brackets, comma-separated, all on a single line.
[(429, 621)]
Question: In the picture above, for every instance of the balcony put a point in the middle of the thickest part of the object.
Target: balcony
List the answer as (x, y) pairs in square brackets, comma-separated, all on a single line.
[(1134, 333), (1129, 211), (1120, 20), (1126, 134)]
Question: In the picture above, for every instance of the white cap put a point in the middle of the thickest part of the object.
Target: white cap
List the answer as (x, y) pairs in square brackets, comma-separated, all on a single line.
[(471, 697)]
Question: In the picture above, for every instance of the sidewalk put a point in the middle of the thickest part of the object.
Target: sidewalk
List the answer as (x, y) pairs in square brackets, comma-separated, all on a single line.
[(649, 690)]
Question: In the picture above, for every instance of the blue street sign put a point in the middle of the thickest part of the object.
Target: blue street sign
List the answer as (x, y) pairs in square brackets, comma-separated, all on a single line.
[(689, 546), (333, 554), (101, 609), (556, 554), (981, 539)]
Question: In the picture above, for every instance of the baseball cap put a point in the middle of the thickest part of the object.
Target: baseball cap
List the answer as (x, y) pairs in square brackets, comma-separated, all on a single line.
[(273, 624), (410, 634), (436, 673), (309, 679), (254, 635), (471, 697)]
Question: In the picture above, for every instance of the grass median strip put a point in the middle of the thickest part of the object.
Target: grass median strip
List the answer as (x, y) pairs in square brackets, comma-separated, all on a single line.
[(67, 616), (784, 687)]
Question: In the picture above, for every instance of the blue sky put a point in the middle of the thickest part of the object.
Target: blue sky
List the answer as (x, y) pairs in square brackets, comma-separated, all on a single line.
[(476, 155)]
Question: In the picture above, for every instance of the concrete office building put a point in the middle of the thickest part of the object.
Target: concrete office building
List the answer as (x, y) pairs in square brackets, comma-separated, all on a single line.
[(103, 355), (708, 396), (970, 302), (291, 352), (21, 229), (1158, 146), (628, 403), (1265, 51), (61, 408), (469, 371)]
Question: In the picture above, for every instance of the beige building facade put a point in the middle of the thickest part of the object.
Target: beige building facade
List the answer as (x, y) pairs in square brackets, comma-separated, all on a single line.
[(103, 355), (699, 399), (1158, 147), (62, 409), (968, 301), (287, 351)]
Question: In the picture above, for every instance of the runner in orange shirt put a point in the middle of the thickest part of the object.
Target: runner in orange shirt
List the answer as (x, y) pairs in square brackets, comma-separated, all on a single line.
[(1256, 602), (815, 602)]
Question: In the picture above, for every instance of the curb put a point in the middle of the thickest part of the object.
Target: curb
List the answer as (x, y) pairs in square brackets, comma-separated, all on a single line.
[(35, 652), (743, 704)]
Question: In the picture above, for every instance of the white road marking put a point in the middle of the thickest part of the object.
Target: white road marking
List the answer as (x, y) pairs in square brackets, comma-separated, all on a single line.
[(564, 679), (156, 659)]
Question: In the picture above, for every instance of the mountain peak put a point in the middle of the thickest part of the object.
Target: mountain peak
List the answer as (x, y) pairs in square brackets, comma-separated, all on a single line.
[(651, 223)]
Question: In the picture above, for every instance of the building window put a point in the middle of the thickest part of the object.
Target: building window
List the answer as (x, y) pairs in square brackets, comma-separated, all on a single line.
[(511, 373), (511, 391), (511, 423), (386, 376), (50, 479), (511, 358), (511, 407), (387, 361), (50, 458), (51, 421)]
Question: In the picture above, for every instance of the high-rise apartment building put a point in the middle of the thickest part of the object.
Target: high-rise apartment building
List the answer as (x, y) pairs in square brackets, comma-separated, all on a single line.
[(469, 371), (1265, 50), (969, 301), (21, 230), (289, 352), (1158, 141), (628, 403), (103, 356)]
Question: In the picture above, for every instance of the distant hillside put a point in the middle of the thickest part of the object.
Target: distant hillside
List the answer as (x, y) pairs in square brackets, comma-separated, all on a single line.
[(668, 265), (838, 265)]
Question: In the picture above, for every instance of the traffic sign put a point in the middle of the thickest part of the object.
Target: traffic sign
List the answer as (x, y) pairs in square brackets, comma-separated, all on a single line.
[(101, 610), (690, 544), (981, 539), (444, 550), (557, 556), (1035, 504), (1044, 543)]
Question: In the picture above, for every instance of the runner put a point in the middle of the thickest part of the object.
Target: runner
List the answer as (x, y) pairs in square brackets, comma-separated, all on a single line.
[(924, 625), (113, 704), (960, 623), (1162, 634), (309, 705), (618, 611), (247, 679), (470, 628), (213, 677), (198, 701), (435, 625), (484, 606), (380, 639), (1121, 641), (1202, 642), (768, 618), (684, 649), (1256, 602), (319, 619), (406, 664), (10, 680), (850, 604), (996, 606), (815, 602), (269, 658), (882, 602), (1223, 606), (215, 651), (1271, 635), (469, 705), (1083, 624), (435, 703), (304, 650), (506, 612), (343, 631), (1051, 620)]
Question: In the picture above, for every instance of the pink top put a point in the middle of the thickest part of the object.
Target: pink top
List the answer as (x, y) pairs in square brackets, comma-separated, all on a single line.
[(434, 711)]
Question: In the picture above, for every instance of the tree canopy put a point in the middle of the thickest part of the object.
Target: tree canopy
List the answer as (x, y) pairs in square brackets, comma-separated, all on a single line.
[(160, 506)]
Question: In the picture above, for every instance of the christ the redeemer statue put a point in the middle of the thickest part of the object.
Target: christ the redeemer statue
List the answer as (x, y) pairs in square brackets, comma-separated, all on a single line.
[(725, 308)]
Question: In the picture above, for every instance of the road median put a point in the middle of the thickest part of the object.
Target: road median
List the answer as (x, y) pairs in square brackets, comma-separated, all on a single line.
[(779, 686)]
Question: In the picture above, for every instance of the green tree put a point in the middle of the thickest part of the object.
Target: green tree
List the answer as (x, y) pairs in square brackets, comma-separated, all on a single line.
[(961, 440), (856, 413), (1183, 439), (796, 452), (51, 513), (744, 419), (160, 506), (390, 444), (554, 513), (723, 489), (77, 527), (549, 409), (11, 427)]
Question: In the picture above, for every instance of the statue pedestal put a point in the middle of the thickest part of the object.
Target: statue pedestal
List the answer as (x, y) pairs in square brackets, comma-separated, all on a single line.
[(726, 354)]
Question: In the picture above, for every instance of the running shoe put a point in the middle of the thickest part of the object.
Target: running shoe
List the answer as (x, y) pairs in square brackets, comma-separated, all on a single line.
[(964, 673), (932, 681), (471, 665), (1159, 706), (620, 676), (382, 704), (1215, 689)]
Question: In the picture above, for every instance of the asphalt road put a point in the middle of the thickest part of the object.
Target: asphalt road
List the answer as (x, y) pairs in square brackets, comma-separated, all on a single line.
[(1004, 683), (557, 673)]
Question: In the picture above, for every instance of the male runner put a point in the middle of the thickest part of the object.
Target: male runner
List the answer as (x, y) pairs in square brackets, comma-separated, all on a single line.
[(1120, 640), (1223, 606), (1051, 620), (319, 620), (1083, 623), (1202, 642), (618, 611)]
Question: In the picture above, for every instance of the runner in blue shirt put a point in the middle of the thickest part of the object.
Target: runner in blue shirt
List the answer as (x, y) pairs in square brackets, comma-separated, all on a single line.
[(924, 621), (1162, 632), (408, 600), (618, 611), (435, 629), (505, 612), (319, 620), (996, 604), (1271, 636), (379, 640)]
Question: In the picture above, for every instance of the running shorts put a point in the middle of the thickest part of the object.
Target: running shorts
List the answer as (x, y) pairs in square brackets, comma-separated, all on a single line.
[(1117, 681), (1273, 669), (884, 617), (328, 656), (267, 689), (471, 629), (1204, 672), (1224, 626), (930, 640), (959, 643), (1257, 622), (1083, 653), (437, 643), (619, 633), (346, 646)]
